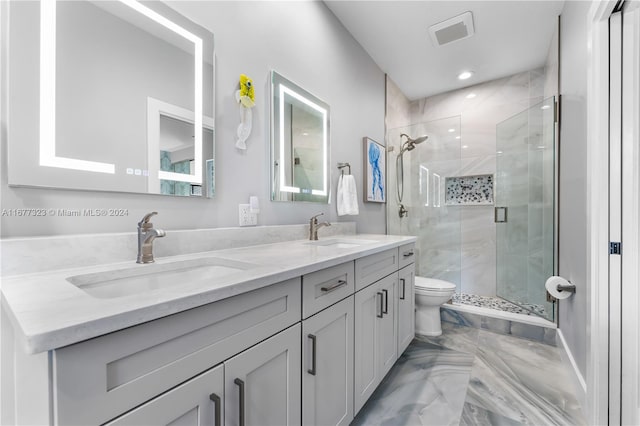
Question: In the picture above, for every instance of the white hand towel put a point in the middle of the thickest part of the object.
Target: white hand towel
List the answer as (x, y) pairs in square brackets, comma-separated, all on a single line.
[(347, 197)]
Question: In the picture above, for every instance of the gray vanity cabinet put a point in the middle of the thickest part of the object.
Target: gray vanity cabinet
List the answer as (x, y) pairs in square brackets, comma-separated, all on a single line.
[(197, 402), (310, 350), (375, 336), (327, 366), (406, 307)]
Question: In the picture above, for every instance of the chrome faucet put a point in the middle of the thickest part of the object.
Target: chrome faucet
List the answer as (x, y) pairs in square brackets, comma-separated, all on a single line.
[(314, 226), (146, 235)]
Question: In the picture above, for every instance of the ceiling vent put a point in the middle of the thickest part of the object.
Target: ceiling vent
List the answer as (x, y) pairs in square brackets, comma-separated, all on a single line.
[(454, 29)]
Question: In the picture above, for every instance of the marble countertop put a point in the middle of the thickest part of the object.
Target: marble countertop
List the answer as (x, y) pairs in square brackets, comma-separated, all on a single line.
[(48, 312)]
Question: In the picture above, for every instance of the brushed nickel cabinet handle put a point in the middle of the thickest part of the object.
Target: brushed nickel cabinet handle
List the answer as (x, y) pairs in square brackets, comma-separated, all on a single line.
[(407, 253), (403, 289), (312, 370), (328, 289), (381, 314), (386, 301), (240, 384), (218, 412)]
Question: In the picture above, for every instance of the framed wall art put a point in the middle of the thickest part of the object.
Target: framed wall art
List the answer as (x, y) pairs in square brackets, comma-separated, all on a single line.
[(375, 172)]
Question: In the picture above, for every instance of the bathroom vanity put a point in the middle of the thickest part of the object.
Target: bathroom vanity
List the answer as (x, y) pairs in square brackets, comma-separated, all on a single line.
[(285, 333)]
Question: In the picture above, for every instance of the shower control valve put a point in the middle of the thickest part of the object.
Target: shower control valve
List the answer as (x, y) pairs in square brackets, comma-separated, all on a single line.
[(403, 212)]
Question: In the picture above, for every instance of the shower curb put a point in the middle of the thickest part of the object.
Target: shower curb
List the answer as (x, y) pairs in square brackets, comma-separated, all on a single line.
[(523, 326)]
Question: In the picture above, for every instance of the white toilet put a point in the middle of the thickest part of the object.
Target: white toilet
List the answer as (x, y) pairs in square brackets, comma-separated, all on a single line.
[(430, 294)]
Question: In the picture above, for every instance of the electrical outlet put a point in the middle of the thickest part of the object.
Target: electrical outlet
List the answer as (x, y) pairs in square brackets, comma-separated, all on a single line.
[(245, 217)]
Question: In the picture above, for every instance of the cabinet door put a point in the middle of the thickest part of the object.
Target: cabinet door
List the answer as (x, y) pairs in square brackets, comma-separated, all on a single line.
[(367, 313), (263, 383), (197, 402), (327, 369), (387, 332), (406, 307)]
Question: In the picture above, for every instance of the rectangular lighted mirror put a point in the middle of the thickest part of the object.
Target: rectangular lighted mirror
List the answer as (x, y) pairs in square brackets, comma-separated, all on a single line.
[(299, 143), (125, 100)]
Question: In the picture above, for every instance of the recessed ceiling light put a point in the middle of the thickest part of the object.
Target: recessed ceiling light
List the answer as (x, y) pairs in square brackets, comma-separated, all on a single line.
[(499, 152), (545, 107), (465, 75), (471, 95), (465, 146), (540, 146), (452, 130), (457, 137)]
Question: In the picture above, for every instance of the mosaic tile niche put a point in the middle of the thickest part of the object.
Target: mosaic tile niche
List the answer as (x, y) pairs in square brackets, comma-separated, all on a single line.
[(474, 190)]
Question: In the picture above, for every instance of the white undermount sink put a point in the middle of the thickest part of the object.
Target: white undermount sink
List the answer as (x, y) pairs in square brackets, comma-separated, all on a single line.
[(149, 277), (341, 243)]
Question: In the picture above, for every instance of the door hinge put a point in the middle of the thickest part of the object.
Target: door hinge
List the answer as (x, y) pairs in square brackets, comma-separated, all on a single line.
[(615, 248)]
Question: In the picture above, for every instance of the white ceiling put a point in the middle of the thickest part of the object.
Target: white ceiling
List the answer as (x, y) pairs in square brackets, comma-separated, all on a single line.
[(510, 37)]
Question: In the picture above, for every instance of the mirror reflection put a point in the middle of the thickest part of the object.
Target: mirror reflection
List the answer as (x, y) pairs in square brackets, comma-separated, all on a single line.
[(125, 100), (299, 143)]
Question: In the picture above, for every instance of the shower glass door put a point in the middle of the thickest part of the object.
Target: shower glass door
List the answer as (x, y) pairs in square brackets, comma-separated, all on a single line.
[(524, 202)]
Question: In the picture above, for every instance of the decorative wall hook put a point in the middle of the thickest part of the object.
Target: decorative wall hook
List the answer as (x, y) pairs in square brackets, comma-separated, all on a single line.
[(246, 99)]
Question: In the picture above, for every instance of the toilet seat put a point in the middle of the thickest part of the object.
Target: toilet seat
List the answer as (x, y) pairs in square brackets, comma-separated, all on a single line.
[(433, 285)]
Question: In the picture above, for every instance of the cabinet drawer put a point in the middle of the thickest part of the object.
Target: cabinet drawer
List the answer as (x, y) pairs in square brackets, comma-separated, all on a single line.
[(323, 288), (407, 254), (96, 380), (372, 268)]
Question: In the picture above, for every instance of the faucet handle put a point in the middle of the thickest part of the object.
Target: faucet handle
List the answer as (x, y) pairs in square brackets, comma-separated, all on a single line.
[(315, 218), (146, 218)]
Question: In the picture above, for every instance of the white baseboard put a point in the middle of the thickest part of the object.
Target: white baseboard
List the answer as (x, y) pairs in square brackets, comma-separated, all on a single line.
[(579, 383)]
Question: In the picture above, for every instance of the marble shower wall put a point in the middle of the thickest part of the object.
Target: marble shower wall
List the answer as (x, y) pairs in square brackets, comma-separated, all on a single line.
[(436, 224)]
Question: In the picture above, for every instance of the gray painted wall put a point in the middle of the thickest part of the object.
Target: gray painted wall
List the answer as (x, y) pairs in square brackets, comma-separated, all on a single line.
[(301, 40), (573, 176)]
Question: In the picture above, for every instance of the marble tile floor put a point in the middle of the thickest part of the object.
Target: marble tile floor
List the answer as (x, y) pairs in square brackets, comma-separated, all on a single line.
[(470, 376), (498, 304)]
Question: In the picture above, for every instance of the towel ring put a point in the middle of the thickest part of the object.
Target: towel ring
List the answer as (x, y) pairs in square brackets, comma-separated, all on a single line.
[(341, 166)]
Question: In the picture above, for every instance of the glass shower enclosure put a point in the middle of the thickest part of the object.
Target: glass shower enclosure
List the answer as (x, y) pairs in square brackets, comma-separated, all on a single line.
[(525, 207)]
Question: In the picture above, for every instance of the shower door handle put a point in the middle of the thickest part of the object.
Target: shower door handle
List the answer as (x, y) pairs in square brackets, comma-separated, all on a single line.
[(500, 215)]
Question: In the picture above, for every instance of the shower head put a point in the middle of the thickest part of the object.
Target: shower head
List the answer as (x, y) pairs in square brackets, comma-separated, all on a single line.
[(410, 143)]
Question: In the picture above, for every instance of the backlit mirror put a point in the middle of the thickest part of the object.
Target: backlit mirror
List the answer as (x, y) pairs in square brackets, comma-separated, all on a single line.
[(299, 143), (125, 99)]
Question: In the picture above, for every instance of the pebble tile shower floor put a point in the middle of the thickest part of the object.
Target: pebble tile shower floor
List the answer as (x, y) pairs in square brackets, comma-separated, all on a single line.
[(470, 376)]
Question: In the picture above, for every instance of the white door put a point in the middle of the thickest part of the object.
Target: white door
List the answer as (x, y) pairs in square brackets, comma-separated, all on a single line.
[(624, 215), (406, 307), (263, 383), (630, 296), (327, 367), (197, 402)]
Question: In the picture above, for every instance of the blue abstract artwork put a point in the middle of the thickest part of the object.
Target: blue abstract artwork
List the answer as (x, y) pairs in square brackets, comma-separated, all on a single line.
[(375, 179)]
